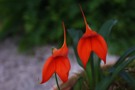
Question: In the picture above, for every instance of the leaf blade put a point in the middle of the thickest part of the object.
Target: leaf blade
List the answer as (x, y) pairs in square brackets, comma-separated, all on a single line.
[(106, 28), (75, 35)]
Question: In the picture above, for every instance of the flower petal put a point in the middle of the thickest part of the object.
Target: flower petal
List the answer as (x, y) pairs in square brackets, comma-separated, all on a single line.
[(99, 46), (48, 69), (88, 29), (62, 68), (63, 51), (84, 50), (89, 33)]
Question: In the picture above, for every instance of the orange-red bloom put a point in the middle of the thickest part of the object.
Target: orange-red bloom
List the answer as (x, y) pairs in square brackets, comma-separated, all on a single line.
[(57, 63), (91, 41)]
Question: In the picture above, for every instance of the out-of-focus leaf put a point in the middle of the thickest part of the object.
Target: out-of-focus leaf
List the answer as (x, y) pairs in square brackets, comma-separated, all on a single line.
[(107, 27), (122, 66), (128, 78), (79, 84), (90, 73), (75, 35), (104, 84), (97, 70), (124, 56)]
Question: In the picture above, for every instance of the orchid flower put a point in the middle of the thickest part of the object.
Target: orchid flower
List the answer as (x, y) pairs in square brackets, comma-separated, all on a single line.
[(57, 63), (91, 42)]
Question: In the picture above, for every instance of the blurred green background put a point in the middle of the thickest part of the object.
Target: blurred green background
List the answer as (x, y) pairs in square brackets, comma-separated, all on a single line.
[(38, 22)]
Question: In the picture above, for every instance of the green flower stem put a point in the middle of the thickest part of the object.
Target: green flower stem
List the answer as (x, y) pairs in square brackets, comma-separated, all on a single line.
[(90, 72), (92, 65), (97, 71), (57, 81)]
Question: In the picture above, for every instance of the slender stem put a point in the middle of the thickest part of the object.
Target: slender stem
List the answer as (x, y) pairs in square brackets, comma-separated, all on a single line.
[(57, 81), (89, 74), (92, 69)]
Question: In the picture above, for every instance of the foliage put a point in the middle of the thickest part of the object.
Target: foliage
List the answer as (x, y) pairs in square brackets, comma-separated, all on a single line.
[(98, 79), (36, 22)]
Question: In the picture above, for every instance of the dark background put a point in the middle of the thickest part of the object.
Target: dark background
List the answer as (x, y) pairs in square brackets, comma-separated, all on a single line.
[(38, 22)]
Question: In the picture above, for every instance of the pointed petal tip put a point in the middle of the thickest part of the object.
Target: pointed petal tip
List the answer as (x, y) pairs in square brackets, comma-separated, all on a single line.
[(41, 82), (88, 29), (64, 33), (63, 24), (84, 66), (65, 80), (85, 21), (104, 60)]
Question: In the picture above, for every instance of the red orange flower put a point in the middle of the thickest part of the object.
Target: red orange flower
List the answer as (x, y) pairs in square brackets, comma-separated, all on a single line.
[(91, 41), (57, 63)]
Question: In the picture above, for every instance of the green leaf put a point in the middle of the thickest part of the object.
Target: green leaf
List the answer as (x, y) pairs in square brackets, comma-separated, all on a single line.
[(122, 66), (78, 85), (89, 73), (107, 27), (75, 35), (128, 78), (124, 56), (104, 84), (97, 70)]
